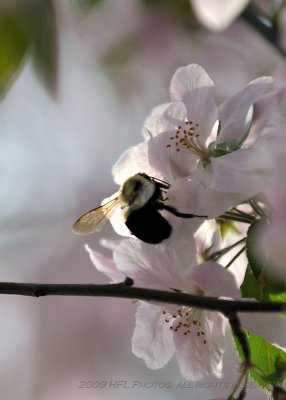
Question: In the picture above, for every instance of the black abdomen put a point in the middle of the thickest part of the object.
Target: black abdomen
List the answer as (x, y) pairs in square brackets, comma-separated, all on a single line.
[(148, 225)]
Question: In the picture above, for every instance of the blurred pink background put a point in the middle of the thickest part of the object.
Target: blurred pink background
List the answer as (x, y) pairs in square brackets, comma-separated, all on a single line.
[(55, 163)]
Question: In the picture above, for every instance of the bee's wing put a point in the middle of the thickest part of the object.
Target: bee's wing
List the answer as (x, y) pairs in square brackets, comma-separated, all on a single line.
[(94, 220)]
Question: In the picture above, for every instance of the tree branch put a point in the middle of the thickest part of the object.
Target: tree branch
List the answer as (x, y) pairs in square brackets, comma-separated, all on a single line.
[(265, 26), (124, 290)]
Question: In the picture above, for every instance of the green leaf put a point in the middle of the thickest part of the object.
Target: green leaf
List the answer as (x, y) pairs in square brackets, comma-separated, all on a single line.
[(29, 26), (280, 374), (274, 287), (280, 296), (13, 46), (182, 6), (277, 296), (263, 288), (256, 260), (260, 284), (269, 360), (220, 151), (88, 4), (227, 147), (250, 287), (118, 55), (40, 21)]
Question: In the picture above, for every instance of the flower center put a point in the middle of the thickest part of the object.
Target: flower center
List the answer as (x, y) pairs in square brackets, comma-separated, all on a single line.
[(187, 319), (187, 137)]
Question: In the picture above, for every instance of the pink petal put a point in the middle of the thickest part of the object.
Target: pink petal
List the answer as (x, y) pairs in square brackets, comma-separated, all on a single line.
[(238, 267), (208, 236), (199, 355), (200, 199), (118, 223), (148, 265), (217, 15), (232, 112), (181, 240), (163, 144), (133, 161), (152, 339), (192, 86), (271, 326), (265, 108), (207, 273), (105, 265), (158, 159), (245, 172), (171, 116)]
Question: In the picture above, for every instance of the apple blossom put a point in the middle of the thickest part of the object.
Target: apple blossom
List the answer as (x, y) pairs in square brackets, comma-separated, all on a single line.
[(195, 336), (200, 148)]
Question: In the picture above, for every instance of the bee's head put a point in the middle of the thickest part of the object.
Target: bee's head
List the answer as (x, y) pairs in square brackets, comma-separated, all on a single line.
[(136, 192)]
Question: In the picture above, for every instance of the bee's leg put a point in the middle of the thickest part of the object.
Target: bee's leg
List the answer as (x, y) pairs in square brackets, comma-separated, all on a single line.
[(163, 193), (179, 214)]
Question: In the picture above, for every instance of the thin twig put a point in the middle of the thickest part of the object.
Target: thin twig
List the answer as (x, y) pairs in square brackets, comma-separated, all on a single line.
[(124, 290), (237, 210), (235, 257), (242, 339), (217, 254), (256, 208), (236, 217), (240, 334)]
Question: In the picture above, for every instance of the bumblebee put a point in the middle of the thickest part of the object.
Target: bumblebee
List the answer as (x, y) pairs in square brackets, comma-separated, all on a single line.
[(141, 199)]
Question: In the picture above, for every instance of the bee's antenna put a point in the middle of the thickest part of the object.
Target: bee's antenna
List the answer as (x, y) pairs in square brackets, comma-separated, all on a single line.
[(161, 183)]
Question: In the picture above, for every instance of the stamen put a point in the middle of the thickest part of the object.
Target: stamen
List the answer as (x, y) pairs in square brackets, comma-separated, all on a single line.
[(188, 139), (187, 319)]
